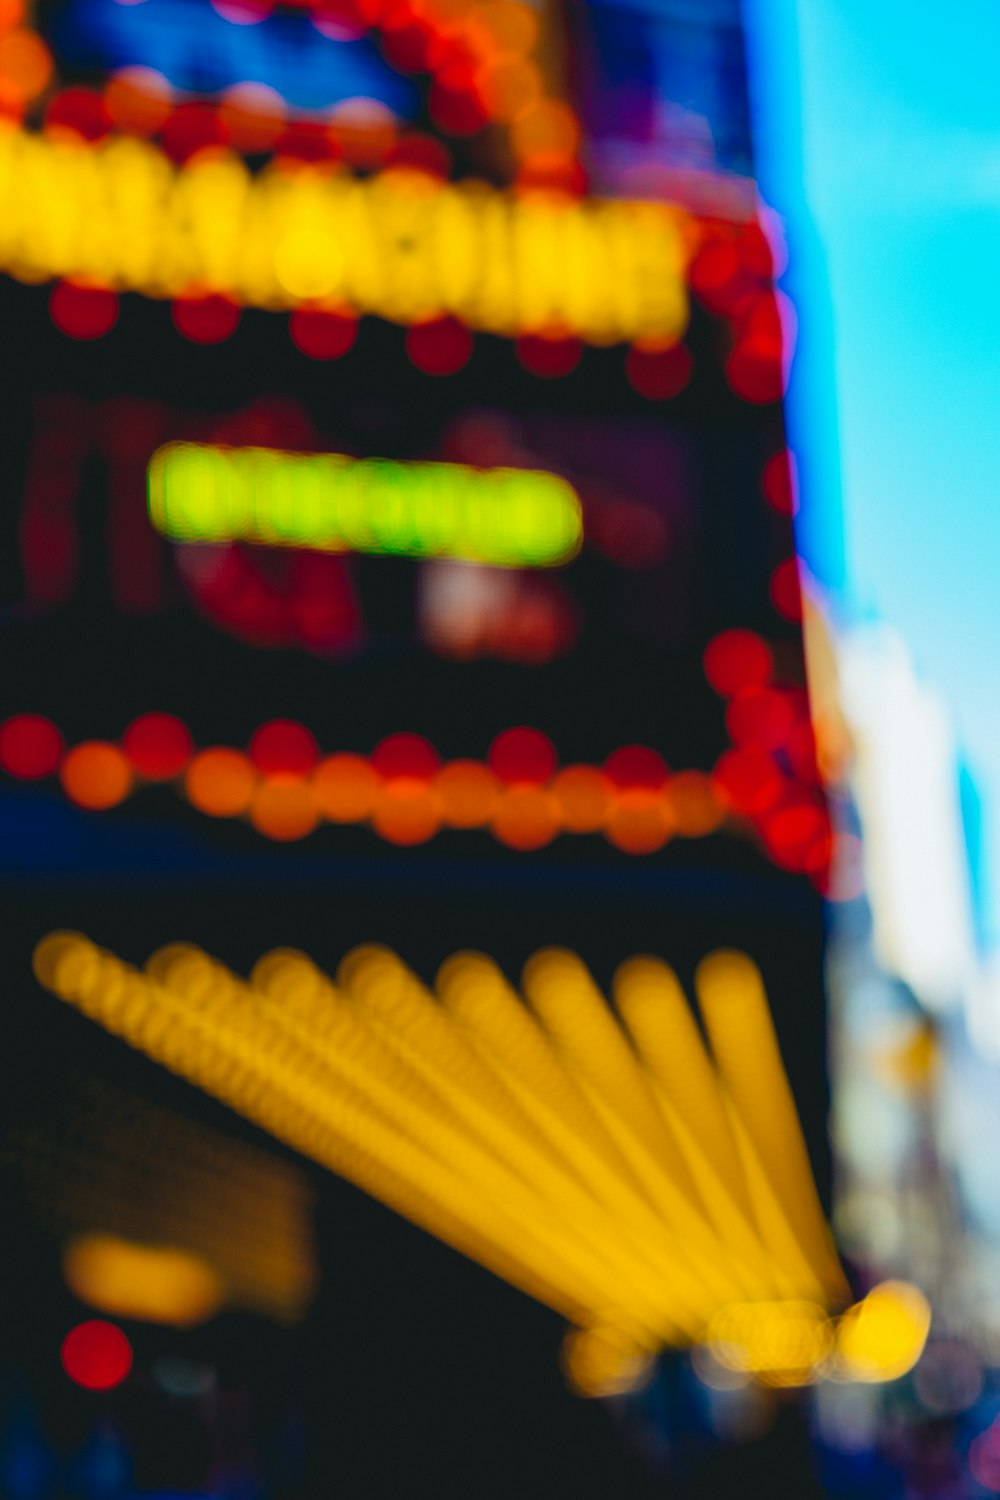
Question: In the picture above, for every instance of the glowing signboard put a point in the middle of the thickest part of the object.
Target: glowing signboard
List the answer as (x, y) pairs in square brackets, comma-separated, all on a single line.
[(399, 245), (508, 517)]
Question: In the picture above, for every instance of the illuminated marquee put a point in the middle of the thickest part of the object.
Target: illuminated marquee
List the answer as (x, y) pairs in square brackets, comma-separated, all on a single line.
[(399, 246), (505, 517), (649, 1183)]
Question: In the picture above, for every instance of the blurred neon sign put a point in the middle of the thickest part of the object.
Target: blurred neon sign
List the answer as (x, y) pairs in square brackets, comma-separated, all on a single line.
[(199, 492), (399, 245)]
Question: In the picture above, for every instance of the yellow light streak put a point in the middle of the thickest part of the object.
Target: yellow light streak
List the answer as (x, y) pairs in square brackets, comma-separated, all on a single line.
[(257, 1084), (379, 1104), (413, 1022), (398, 245), (476, 1128), (686, 1085), (507, 1035), (583, 1029), (745, 1045), (618, 1172)]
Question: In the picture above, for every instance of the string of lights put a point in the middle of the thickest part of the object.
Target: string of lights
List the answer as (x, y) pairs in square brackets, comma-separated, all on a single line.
[(400, 245), (285, 788)]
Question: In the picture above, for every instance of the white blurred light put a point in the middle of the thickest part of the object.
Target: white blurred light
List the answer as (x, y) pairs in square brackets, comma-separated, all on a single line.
[(984, 1008), (459, 602), (907, 789)]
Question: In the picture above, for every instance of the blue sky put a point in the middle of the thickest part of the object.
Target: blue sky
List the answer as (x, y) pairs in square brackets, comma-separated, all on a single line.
[(898, 167)]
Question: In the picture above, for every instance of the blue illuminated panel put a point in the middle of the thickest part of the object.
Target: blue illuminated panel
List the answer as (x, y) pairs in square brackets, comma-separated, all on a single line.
[(200, 52)]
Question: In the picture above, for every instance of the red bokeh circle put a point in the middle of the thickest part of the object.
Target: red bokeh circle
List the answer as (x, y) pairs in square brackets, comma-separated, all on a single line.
[(737, 659), (283, 747), (83, 312), (96, 1355), (440, 346), (320, 334), (636, 766), (158, 745), (205, 320), (755, 373), (549, 357), (423, 153), (786, 591), (30, 747), (190, 128), (80, 110), (747, 780), (522, 757), (455, 109), (405, 757), (779, 483), (658, 374), (761, 717)]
